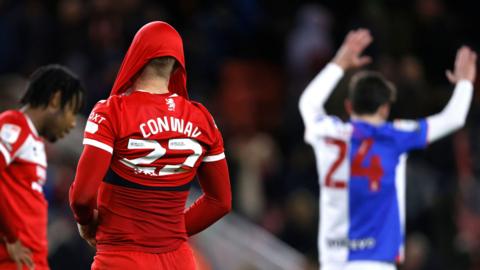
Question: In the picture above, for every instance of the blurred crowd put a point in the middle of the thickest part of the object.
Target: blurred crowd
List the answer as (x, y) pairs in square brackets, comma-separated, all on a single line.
[(248, 61)]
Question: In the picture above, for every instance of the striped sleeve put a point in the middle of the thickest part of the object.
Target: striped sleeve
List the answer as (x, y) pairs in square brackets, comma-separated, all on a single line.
[(216, 149), (99, 130)]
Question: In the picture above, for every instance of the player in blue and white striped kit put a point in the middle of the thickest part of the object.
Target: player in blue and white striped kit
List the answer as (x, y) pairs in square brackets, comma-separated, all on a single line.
[(361, 163)]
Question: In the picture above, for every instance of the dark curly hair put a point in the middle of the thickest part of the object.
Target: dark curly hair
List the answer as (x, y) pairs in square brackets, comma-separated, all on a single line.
[(48, 80)]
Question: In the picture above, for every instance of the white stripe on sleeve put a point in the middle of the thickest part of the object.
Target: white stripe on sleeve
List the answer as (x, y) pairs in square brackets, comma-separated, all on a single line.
[(98, 144), (214, 158)]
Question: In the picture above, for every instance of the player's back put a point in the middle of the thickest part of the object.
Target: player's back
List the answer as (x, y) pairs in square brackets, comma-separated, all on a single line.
[(158, 142), (360, 167)]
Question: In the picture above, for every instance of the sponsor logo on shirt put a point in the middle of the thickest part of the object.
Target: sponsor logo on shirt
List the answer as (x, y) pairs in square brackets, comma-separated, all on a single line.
[(96, 118), (352, 244), (91, 127), (406, 125)]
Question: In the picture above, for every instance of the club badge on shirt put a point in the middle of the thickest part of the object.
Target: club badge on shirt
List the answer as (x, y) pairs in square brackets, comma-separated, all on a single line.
[(171, 104)]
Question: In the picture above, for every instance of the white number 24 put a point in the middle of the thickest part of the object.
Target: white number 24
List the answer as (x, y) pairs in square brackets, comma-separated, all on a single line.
[(138, 164)]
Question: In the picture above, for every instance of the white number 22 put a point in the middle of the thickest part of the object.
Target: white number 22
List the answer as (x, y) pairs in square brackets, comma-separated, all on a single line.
[(158, 152)]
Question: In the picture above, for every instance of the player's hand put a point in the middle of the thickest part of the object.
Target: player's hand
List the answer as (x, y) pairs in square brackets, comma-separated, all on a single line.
[(465, 67), (20, 255), (349, 54), (89, 231)]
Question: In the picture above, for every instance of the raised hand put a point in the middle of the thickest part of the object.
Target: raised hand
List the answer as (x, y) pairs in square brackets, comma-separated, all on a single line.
[(20, 255), (349, 54), (465, 67)]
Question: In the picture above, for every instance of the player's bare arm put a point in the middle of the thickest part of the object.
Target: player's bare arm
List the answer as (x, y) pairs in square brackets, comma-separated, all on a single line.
[(454, 115), (20, 254)]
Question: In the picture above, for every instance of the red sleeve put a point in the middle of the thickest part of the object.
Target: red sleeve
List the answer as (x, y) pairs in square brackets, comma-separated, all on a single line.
[(216, 200), (91, 169), (214, 151), (10, 232), (13, 133)]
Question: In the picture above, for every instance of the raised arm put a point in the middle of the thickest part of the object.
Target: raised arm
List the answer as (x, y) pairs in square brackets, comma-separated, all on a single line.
[(348, 56), (453, 116)]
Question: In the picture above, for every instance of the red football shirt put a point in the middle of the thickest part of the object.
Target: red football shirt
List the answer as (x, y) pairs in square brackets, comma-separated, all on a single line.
[(157, 142), (21, 184)]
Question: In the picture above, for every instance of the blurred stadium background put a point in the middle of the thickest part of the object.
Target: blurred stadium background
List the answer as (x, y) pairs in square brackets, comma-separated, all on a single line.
[(248, 61)]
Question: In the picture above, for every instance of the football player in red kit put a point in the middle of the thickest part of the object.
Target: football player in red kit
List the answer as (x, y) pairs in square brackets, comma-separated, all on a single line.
[(53, 97), (143, 147)]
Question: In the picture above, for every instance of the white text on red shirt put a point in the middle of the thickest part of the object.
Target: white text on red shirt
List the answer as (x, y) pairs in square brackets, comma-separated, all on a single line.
[(157, 125)]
